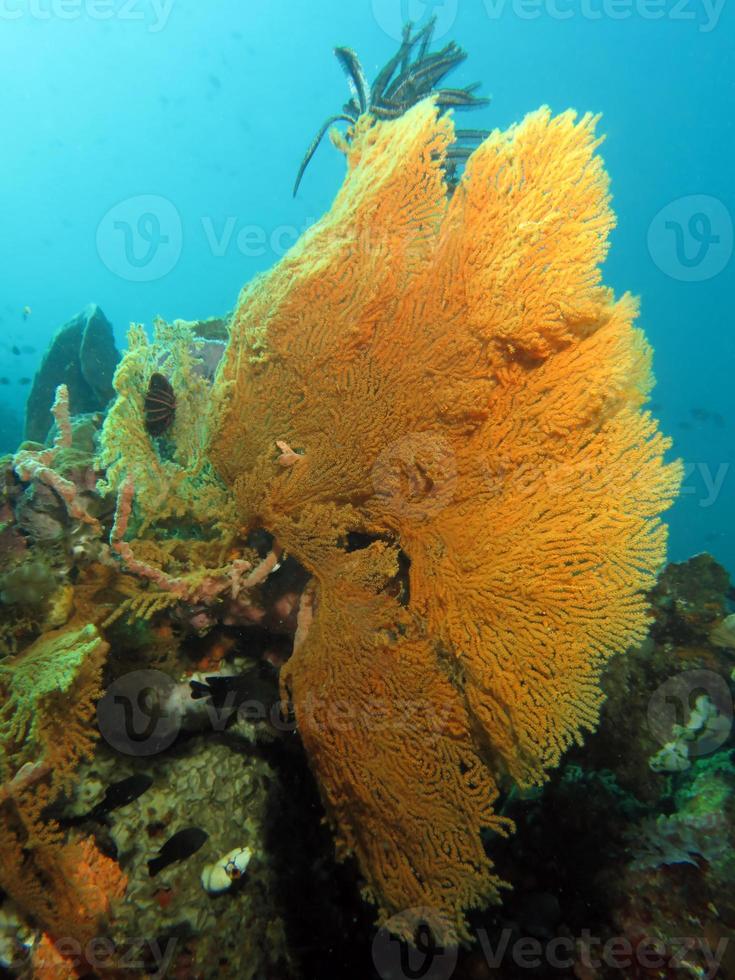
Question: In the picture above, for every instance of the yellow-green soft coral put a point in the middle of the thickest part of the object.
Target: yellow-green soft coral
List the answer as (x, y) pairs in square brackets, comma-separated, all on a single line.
[(47, 698), (171, 477)]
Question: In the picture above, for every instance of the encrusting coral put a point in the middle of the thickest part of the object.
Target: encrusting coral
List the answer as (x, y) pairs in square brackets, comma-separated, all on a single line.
[(463, 389)]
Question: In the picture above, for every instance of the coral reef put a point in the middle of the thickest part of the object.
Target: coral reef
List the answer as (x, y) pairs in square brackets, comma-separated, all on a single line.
[(441, 373), (202, 782), (79, 883), (620, 871), (412, 477)]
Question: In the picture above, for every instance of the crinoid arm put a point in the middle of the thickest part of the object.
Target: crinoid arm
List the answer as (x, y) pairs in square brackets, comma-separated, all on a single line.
[(399, 58), (412, 74), (341, 117), (421, 77), (359, 86), (460, 98)]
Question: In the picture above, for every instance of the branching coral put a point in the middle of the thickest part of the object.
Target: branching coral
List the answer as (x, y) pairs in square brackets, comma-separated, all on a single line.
[(459, 385), (41, 465), (175, 523), (175, 479), (66, 888), (48, 694), (47, 698)]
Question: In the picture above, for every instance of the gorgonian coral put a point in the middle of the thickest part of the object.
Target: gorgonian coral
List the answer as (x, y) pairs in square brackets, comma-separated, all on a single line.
[(464, 393)]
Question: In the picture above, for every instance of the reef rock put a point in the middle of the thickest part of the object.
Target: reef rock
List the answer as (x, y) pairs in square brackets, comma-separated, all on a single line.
[(83, 356)]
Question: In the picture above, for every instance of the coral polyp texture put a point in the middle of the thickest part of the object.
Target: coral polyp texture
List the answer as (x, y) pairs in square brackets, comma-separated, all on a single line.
[(469, 477)]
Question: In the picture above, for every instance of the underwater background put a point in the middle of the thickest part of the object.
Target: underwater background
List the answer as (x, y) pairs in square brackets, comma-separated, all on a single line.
[(341, 643), (200, 114)]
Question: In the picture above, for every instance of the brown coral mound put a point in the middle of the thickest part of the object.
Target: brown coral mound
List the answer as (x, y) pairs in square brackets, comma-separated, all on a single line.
[(460, 387)]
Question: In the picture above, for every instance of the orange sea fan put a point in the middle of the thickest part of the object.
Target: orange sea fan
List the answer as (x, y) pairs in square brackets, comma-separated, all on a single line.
[(65, 888), (462, 389), (48, 698), (86, 885)]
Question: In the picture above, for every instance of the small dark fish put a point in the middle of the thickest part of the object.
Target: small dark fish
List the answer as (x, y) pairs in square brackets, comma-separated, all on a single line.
[(253, 695), (230, 691), (182, 845), (700, 414), (160, 405), (4, 381), (24, 381), (121, 793), (15, 350)]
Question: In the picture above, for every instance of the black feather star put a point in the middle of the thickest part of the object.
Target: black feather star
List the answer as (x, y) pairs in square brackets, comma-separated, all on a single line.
[(400, 84), (159, 405)]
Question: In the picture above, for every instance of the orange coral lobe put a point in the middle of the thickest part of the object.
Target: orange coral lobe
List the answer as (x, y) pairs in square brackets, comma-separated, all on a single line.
[(468, 395)]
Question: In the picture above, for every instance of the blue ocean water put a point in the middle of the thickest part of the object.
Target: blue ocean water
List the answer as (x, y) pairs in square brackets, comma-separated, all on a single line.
[(150, 148)]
